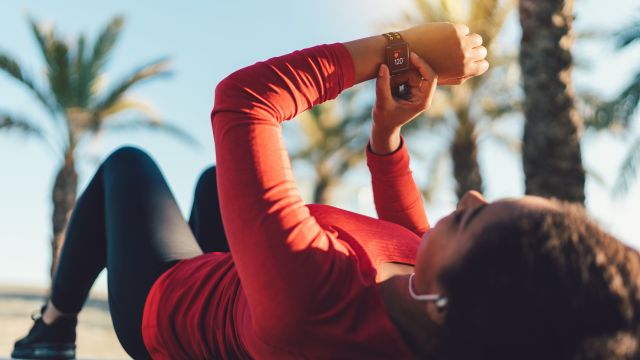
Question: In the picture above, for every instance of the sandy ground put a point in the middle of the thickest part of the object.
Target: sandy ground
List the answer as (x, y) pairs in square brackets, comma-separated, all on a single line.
[(96, 338)]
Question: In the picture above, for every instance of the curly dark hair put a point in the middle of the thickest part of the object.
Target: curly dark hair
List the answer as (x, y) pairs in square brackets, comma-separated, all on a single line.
[(549, 285)]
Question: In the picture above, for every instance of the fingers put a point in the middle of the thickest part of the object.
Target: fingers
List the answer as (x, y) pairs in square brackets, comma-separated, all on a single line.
[(429, 92), (473, 40), (423, 68), (428, 74), (474, 69), (383, 85), (480, 67), (430, 79), (453, 81), (477, 54), (461, 29)]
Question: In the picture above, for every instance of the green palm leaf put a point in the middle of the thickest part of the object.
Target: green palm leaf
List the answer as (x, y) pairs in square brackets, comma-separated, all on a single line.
[(155, 69), (60, 73), (13, 69), (629, 34), (628, 170), (82, 77), (428, 12), (619, 112), (26, 127), (73, 70), (56, 54), (105, 42), (9, 122), (44, 39)]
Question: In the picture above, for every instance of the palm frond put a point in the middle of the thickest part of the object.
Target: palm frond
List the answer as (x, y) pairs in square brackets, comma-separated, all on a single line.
[(596, 176), (27, 128), (44, 39), (105, 42), (500, 14), (60, 73), (628, 170), (9, 122), (628, 35), (496, 110), (13, 69), (453, 11), (589, 103), (510, 143), (82, 79), (56, 54), (144, 123), (619, 112), (428, 12), (130, 104), (434, 174), (593, 34), (155, 69)]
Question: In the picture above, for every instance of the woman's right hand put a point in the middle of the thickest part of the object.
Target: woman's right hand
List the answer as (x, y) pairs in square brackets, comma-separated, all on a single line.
[(391, 113), (452, 51)]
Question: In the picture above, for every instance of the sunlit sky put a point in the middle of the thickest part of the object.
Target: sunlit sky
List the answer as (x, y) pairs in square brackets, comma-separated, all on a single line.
[(208, 40)]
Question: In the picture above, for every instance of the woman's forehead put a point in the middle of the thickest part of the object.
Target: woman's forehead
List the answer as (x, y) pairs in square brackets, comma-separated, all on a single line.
[(507, 208)]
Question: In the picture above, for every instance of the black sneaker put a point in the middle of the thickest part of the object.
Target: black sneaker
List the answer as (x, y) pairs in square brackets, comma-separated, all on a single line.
[(56, 341)]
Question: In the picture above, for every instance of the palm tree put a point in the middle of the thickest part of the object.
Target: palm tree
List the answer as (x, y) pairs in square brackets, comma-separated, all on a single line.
[(467, 113), (618, 114), (335, 134), (335, 139), (78, 107), (551, 153)]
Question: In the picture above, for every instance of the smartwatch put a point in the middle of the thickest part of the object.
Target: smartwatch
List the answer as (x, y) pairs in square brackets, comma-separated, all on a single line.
[(397, 58)]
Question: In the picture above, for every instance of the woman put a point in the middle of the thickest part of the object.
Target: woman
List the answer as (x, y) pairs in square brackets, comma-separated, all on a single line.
[(319, 282)]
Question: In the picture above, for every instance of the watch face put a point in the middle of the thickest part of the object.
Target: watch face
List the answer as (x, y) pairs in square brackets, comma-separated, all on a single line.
[(398, 58)]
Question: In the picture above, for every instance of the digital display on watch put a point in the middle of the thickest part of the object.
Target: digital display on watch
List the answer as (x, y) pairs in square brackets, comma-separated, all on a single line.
[(398, 58)]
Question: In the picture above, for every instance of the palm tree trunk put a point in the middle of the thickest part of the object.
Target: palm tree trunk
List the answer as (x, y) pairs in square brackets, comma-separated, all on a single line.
[(322, 190), (64, 199), (464, 153), (551, 153)]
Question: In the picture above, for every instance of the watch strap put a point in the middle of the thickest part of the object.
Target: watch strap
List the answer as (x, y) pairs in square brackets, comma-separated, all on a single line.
[(393, 37)]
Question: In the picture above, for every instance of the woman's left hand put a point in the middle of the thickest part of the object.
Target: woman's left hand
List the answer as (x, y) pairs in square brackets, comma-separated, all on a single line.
[(391, 113)]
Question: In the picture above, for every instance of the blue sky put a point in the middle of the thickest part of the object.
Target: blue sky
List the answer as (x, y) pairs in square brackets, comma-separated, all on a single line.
[(208, 40)]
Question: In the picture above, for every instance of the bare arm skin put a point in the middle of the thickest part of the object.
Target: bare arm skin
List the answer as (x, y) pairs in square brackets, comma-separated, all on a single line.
[(451, 50), (449, 53)]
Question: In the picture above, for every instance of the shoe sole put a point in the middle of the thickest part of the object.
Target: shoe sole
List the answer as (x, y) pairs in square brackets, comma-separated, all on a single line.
[(46, 351)]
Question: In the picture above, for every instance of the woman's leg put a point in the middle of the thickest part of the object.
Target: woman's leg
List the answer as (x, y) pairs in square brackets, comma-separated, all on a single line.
[(205, 220), (128, 220)]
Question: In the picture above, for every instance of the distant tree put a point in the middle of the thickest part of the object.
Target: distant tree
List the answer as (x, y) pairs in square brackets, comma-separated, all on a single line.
[(335, 135), (78, 107), (618, 114), (467, 113), (551, 152)]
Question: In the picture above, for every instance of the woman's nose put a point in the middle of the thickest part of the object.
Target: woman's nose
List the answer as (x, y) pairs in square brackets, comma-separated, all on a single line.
[(471, 199)]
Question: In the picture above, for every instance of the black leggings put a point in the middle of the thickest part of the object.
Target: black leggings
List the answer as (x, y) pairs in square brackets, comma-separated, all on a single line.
[(128, 221)]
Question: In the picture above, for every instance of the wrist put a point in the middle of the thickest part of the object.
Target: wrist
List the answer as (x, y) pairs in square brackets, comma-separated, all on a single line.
[(384, 141), (438, 44)]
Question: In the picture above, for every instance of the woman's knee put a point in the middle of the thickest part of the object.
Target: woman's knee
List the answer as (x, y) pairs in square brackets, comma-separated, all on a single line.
[(128, 157), (207, 181)]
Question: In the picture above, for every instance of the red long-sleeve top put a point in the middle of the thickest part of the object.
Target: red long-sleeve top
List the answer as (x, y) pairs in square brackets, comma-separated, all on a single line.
[(300, 281)]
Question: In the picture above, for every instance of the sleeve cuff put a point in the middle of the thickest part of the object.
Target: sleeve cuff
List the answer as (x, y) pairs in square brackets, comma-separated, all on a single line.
[(347, 65), (389, 163)]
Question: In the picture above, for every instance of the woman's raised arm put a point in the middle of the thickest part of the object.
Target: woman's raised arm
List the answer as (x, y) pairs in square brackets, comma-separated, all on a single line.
[(450, 49), (285, 259)]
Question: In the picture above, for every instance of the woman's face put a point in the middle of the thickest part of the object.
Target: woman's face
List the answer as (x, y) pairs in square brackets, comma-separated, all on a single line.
[(453, 235)]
